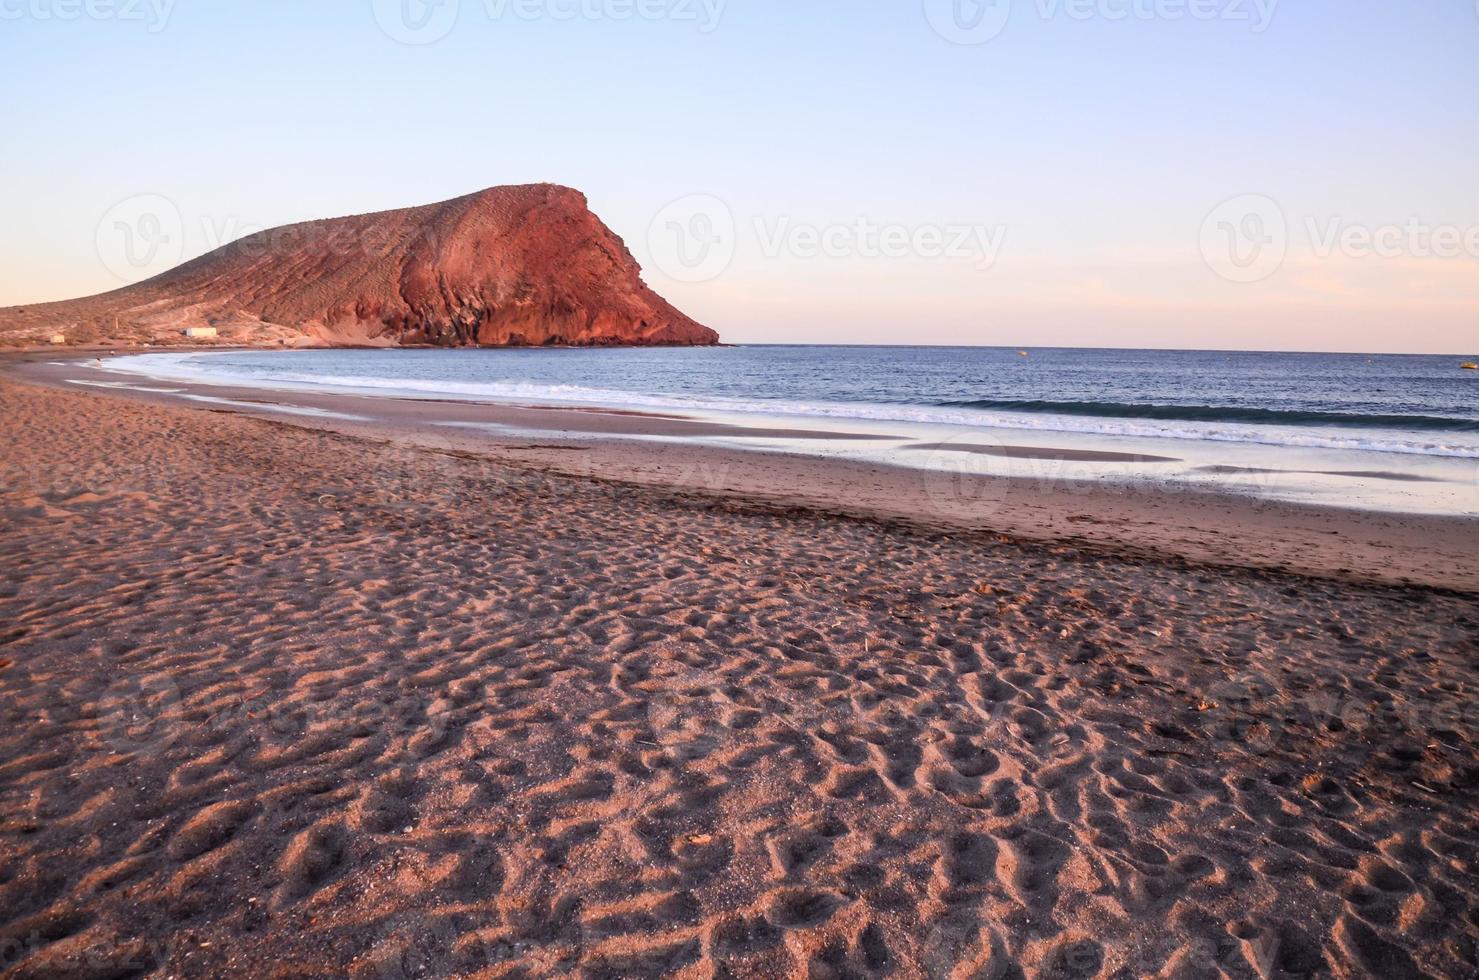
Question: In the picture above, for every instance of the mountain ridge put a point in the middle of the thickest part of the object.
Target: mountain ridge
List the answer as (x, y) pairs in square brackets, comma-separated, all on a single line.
[(518, 265)]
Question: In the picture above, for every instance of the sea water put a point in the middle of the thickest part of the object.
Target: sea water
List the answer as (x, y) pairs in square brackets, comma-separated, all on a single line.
[(1232, 412)]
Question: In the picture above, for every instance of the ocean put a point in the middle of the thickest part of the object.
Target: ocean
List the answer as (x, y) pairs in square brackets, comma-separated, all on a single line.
[(1388, 404)]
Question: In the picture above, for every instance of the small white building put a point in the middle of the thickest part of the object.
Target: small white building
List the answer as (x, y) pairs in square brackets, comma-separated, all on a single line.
[(58, 338), (200, 333)]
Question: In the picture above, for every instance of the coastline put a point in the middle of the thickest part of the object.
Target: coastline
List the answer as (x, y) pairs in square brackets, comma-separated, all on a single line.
[(762, 462)]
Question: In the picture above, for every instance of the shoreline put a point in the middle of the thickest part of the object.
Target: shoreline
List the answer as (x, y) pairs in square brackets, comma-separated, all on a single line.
[(760, 463)]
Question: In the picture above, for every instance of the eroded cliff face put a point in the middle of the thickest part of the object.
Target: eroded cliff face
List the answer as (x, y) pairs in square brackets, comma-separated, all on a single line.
[(523, 265)]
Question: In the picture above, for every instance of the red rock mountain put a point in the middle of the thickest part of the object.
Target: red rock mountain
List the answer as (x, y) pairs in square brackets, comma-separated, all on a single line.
[(525, 265)]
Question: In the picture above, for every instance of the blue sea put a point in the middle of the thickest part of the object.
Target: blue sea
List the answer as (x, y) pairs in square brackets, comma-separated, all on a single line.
[(1401, 405)]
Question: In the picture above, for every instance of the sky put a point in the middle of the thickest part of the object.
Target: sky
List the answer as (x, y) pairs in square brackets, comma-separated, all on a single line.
[(1241, 174)]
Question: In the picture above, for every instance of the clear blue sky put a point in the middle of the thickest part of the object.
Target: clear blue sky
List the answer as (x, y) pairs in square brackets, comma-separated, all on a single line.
[(1090, 140)]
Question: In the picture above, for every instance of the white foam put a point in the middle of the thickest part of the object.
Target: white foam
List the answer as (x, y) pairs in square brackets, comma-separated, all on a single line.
[(120, 386), (311, 412)]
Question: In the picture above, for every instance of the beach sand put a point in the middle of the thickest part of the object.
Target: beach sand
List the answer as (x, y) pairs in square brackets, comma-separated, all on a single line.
[(286, 701)]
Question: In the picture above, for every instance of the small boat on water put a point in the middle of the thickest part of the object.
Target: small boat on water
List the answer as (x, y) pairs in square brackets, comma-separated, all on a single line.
[(1469, 366)]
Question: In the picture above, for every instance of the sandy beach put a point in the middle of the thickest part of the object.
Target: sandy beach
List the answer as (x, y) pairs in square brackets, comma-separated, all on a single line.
[(297, 696), (612, 490)]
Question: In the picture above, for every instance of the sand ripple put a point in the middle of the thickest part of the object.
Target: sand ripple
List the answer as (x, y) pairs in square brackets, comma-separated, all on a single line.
[(278, 702)]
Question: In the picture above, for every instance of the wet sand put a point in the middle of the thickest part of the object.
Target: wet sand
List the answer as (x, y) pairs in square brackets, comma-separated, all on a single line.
[(1048, 452), (293, 696), (1354, 474)]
